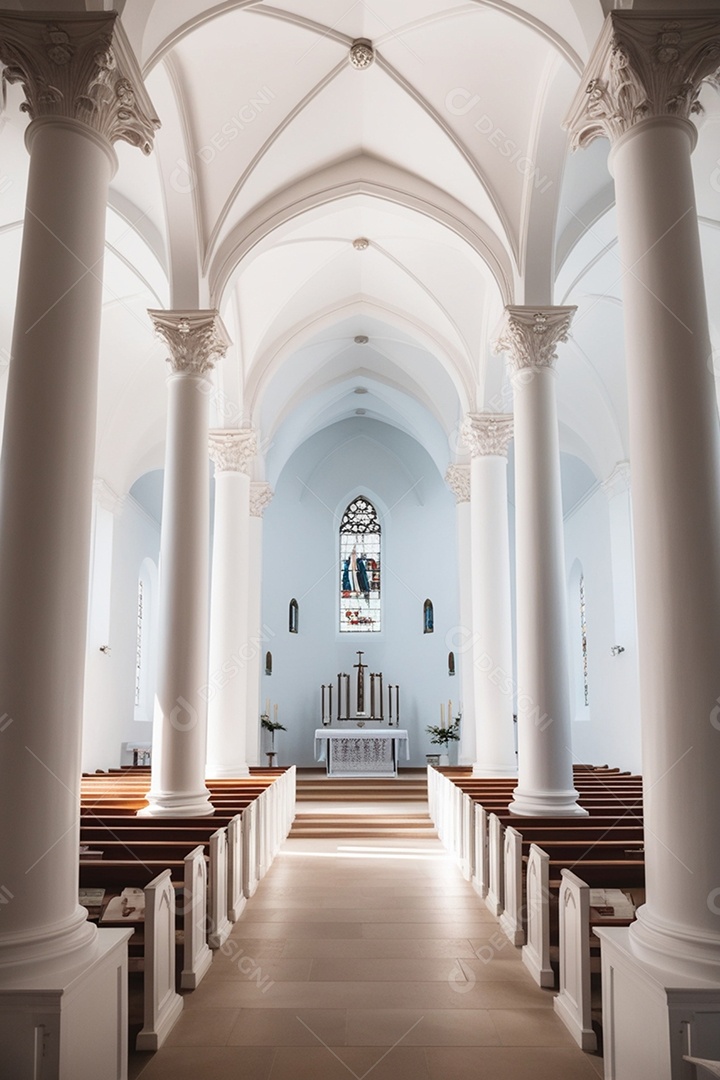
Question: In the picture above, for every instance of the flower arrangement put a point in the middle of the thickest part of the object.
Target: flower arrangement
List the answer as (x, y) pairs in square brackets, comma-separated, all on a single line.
[(272, 726), (443, 736)]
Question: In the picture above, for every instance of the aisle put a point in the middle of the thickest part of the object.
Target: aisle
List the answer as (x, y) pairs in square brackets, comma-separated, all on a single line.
[(367, 958)]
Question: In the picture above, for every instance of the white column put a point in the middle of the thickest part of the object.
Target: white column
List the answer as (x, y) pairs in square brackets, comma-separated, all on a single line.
[(674, 450), (460, 640), (195, 339), (260, 636), (232, 451), (47, 467), (545, 779), (487, 436)]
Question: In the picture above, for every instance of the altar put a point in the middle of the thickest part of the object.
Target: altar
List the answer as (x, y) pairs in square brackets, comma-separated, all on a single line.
[(354, 751)]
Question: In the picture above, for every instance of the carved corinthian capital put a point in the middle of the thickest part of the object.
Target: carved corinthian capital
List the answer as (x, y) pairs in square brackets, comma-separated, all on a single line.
[(78, 66), (260, 495), (457, 479), (644, 64), (232, 449), (487, 434), (529, 335), (195, 339)]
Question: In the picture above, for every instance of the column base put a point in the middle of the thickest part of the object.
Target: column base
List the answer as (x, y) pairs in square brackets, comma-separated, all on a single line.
[(74, 1020), (226, 772), (491, 770), (675, 948), (57, 947), (178, 804), (546, 804), (653, 1017)]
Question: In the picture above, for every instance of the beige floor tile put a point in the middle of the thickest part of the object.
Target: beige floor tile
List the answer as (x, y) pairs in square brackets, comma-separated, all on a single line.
[(244, 965), (509, 1063), (203, 1027), (289, 1027), (530, 1027), (259, 948), (210, 1063), (437, 929), (342, 1063), (432, 1027), (393, 969), (317, 948)]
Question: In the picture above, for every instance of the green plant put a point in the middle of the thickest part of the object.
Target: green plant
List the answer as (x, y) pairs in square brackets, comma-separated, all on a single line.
[(272, 726), (443, 736)]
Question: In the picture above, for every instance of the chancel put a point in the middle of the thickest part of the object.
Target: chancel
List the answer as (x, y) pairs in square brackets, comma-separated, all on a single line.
[(372, 347)]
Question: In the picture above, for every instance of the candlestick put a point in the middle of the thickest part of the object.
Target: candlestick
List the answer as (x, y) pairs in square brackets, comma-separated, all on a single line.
[(330, 703), (382, 703), (390, 690), (397, 706)]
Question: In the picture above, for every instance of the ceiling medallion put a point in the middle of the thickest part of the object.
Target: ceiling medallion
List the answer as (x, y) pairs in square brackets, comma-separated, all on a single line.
[(361, 243), (360, 390), (361, 339), (362, 54), (360, 412)]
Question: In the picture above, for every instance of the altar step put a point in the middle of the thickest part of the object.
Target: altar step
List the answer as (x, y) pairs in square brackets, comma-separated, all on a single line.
[(362, 826), (362, 790)]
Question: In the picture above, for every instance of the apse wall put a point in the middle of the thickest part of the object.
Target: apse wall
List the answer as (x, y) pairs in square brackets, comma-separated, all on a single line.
[(301, 561)]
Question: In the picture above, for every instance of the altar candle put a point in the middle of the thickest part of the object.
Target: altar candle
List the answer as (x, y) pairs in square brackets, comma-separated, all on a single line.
[(397, 706), (449, 712), (267, 707), (442, 715), (390, 690), (275, 707), (330, 702)]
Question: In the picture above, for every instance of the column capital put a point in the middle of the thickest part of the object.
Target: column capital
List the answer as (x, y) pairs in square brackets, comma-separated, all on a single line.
[(457, 478), (487, 434), (644, 65), (195, 338), (529, 335), (232, 449), (106, 497), (618, 480), (260, 495), (79, 66)]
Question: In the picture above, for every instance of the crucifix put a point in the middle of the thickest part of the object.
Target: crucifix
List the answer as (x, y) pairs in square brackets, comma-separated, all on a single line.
[(360, 683)]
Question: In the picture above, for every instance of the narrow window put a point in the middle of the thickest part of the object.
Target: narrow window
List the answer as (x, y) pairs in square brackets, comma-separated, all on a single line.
[(268, 663), (451, 663), (583, 639), (293, 617), (428, 617)]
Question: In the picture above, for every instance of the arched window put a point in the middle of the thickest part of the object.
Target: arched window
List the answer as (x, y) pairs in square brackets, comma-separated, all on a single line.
[(360, 568), (451, 663), (428, 617), (293, 615), (268, 663)]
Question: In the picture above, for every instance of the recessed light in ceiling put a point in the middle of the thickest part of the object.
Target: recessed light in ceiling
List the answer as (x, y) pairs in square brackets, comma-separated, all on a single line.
[(361, 339), (361, 54), (361, 243), (360, 412), (360, 390)]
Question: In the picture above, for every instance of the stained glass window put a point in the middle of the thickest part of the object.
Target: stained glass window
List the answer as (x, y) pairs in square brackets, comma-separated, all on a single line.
[(583, 639), (360, 568)]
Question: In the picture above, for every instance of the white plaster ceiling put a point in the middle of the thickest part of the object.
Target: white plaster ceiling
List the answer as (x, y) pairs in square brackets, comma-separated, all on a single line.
[(447, 154)]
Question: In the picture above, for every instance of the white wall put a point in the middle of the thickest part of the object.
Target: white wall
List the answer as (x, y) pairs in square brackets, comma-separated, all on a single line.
[(598, 543), (300, 560), (121, 544)]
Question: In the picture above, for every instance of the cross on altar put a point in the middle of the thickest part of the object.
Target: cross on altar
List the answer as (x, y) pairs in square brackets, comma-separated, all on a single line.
[(360, 682)]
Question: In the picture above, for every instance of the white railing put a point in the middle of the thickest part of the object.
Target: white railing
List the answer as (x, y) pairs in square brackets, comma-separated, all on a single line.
[(536, 953), (511, 920), (480, 877), (572, 1004), (196, 953), (250, 868), (162, 1005)]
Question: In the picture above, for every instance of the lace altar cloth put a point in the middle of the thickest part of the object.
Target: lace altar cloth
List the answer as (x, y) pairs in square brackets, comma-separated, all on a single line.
[(360, 752)]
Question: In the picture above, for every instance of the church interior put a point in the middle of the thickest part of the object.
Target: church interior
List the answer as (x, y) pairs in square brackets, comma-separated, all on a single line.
[(360, 484)]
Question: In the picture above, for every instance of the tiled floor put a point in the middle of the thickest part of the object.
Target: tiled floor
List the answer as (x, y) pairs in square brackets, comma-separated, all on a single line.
[(367, 959)]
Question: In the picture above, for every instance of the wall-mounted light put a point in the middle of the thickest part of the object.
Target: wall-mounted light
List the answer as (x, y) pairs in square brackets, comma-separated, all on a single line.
[(105, 649), (617, 649)]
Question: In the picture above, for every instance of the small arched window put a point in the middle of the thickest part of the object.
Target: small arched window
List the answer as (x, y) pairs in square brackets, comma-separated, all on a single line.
[(268, 663), (451, 663), (293, 615), (428, 617)]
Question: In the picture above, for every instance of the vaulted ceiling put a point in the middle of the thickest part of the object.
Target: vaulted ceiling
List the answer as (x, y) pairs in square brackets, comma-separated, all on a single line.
[(315, 203)]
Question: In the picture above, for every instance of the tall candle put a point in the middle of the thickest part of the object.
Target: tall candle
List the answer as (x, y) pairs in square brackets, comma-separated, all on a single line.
[(442, 715), (267, 706), (275, 712), (449, 712)]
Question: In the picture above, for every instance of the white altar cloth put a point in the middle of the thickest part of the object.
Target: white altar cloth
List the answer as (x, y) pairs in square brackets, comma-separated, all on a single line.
[(350, 751)]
